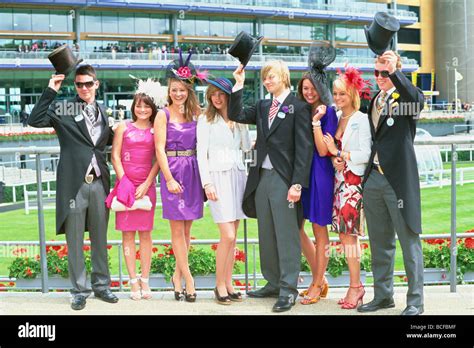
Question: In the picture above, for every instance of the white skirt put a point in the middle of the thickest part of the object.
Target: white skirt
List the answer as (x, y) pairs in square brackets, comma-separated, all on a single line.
[(230, 187)]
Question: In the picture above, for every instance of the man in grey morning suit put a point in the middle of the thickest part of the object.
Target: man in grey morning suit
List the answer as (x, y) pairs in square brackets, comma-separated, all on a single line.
[(272, 194), (83, 178), (391, 186)]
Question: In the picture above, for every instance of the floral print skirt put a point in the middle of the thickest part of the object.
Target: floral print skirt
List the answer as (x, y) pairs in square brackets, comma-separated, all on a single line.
[(348, 213)]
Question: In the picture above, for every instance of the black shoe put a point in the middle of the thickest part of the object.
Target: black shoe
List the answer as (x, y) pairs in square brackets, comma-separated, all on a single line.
[(413, 310), (262, 293), (190, 297), (106, 295), (223, 300), (235, 296), (375, 305), (284, 303), (78, 302), (178, 296)]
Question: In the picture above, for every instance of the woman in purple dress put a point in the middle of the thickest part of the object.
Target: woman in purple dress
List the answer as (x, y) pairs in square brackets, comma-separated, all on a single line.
[(180, 184), (317, 199)]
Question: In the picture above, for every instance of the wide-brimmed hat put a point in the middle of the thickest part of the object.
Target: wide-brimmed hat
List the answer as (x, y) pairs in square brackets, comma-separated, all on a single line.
[(244, 46), (184, 70), (63, 60), (380, 34), (319, 58), (222, 83)]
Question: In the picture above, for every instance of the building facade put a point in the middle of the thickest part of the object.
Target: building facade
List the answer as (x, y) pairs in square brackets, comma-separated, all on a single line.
[(140, 37)]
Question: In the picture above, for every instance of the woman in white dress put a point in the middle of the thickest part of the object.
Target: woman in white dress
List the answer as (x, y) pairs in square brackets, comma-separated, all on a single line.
[(219, 153)]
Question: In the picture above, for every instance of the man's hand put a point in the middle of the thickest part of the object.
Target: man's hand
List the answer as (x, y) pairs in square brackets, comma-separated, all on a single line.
[(293, 195), (239, 75), (56, 81), (391, 61)]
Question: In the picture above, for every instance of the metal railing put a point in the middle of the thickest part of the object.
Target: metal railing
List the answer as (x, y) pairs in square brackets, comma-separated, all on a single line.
[(453, 141)]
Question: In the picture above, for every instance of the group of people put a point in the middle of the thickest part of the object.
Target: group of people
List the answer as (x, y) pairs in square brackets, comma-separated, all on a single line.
[(318, 157)]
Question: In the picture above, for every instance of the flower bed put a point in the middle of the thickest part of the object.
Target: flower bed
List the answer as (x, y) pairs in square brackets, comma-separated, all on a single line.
[(26, 136)]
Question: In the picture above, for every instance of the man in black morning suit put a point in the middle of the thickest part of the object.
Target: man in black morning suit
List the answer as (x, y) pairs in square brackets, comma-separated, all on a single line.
[(284, 150), (83, 178), (391, 186)]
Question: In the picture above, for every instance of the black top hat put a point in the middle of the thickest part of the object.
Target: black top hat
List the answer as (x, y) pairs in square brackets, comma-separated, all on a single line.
[(319, 58), (63, 60), (185, 70), (380, 33), (243, 47)]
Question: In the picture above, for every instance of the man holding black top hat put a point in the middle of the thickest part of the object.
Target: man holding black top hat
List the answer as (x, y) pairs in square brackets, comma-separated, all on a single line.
[(83, 179), (391, 190)]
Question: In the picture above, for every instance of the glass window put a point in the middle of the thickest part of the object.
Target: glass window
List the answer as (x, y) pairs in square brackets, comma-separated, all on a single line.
[(186, 26), (269, 29), (409, 36), (60, 21), (319, 32), (159, 24), (142, 24), (6, 20), (231, 28), (93, 22), (296, 33), (109, 22), (41, 21), (282, 30), (244, 26), (217, 27), (125, 23), (202, 27), (22, 20)]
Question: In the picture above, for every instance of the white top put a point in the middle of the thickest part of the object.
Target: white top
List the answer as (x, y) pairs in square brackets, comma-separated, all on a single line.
[(218, 148), (357, 140)]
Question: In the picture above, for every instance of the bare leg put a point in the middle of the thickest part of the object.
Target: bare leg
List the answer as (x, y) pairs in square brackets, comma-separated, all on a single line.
[(223, 253), (231, 260), (352, 252), (309, 252), (188, 277), (145, 256), (180, 250), (129, 251)]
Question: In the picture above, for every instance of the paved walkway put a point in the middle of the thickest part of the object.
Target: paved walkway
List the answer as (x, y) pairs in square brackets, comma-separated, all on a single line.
[(438, 301)]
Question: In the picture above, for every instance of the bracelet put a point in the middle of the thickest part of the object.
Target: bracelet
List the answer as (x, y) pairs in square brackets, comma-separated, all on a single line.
[(338, 153)]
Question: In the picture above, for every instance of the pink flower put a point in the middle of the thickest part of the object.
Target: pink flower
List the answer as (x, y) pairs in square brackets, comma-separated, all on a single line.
[(184, 72)]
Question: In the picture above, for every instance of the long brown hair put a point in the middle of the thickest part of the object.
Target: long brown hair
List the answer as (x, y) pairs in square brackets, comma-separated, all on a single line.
[(148, 101), (211, 112), (307, 76), (191, 105)]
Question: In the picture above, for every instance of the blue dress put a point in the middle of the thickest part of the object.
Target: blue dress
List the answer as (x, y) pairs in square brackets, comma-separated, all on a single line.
[(318, 198)]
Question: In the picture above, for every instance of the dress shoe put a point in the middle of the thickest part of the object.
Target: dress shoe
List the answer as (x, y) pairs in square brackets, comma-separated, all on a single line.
[(78, 302), (262, 293), (284, 303), (413, 310), (106, 295), (375, 305)]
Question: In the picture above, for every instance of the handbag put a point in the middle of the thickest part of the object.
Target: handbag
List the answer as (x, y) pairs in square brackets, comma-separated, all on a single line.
[(143, 203)]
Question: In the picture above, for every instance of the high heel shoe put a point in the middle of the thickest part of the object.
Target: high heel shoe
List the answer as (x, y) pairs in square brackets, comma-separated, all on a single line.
[(190, 297), (307, 300), (135, 295), (359, 300), (223, 300), (178, 295), (325, 289), (146, 294)]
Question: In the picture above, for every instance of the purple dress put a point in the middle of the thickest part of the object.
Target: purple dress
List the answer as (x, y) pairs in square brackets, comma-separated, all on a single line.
[(189, 204), (318, 198), (138, 151)]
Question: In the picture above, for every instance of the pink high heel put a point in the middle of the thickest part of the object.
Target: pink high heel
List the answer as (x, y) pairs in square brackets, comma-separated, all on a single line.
[(359, 300)]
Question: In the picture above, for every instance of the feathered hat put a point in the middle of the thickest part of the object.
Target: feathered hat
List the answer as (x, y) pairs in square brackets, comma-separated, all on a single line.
[(185, 70), (319, 58), (153, 89), (353, 79)]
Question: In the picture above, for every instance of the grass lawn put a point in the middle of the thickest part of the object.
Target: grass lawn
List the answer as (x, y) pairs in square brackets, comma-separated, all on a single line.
[(16, 225)]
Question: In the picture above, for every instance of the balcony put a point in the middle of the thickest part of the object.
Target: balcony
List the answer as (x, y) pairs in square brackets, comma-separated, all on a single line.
[(148, 61)]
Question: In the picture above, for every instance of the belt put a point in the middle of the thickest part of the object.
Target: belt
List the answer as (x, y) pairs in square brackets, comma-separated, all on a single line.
[(185, 153), (89, 178), (377, 167)]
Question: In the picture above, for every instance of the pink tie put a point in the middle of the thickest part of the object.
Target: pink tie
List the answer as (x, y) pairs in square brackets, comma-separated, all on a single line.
[(273, 111)]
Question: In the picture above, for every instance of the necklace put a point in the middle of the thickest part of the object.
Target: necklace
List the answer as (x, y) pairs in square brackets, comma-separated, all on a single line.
[(344, 117)]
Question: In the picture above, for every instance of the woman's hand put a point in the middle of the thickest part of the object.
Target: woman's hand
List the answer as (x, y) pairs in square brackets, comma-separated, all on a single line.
[(142, 190), (239, 75), (320, 112), (338, 163), (173, 186), (329, 140), (211, 192)]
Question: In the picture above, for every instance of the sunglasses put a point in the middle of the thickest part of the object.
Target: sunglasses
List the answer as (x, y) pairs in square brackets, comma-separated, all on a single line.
[(384, 73), (87, 84)]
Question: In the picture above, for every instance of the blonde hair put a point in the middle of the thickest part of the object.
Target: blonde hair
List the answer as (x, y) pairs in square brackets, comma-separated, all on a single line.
[(191, 105), (211, 111), (380, 60), (341, 85), (278, 67)]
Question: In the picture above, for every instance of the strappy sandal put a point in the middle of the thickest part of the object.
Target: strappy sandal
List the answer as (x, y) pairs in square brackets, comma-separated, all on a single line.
[(146, 294), (235, 296), (359, 300), (135, 295), (308, 300), (190, 297), (223, 300)]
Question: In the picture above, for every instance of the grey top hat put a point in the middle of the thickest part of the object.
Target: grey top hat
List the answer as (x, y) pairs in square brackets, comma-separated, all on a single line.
[(63, 60), (381, 32), (243, 47), (319, 58)]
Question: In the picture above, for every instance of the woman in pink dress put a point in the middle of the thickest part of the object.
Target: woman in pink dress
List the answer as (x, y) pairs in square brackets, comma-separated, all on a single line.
[(133, 158)]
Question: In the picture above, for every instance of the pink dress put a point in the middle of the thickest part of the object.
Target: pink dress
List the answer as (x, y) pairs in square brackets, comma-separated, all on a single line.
[(138, 151)]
